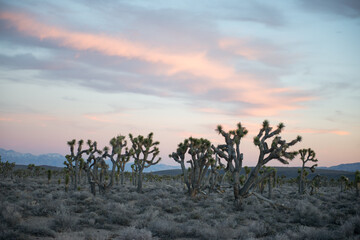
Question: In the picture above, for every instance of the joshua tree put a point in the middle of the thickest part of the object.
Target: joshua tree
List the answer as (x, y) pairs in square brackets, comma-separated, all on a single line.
[(6, 168), (67, 180), (122, 162), (306, 155), (179, 157), (115, 155), (247, 172), (357, 182), (201, 158), (144, 151), (73, 161), (231, 153), (31, 168), (344, 182), (49, 174)]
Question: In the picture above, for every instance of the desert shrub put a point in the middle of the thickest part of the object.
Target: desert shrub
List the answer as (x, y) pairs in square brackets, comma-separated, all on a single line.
[(37, 230), (131, 233), (117, 213), (312, 233), (336, 217), (350, 228), (307, 214), (260, 229), (6, 234), (10, 215), (143, 220), (44, 208), (165, 228), (63, 221)]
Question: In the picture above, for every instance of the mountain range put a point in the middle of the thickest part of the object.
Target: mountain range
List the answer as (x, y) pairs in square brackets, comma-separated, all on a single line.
[(57, 160)]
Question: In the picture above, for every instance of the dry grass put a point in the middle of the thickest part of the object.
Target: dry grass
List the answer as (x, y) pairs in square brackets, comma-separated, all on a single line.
[(33, 209)]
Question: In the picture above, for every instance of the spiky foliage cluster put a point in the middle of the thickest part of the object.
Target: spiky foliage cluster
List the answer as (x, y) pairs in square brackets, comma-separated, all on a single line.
[(306, 155), (116, 153), (72, 162), (95, 166), (278, 149), (344, 183), (145, 152), (230, 152), (201, 158), (179, 157)]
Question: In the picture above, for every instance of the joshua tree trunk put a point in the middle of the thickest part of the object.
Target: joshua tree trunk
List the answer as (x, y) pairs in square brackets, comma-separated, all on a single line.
[(270, 186), (122, 177), (139, 181)]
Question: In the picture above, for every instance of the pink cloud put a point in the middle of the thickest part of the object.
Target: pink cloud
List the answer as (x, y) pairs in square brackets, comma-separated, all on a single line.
[(195, 63), (257, 50), (98, 118), (323, 131), (7, 119), (205, 74)]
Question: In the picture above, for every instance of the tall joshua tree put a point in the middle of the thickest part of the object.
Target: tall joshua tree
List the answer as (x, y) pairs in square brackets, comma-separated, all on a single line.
[(230, 152), (179, 157), (200, 160), (306, 155), (73, 161), (121, 162), (145, 152), (116, 155)]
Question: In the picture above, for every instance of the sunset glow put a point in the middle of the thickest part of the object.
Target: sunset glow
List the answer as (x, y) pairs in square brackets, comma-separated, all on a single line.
[(95, 70)]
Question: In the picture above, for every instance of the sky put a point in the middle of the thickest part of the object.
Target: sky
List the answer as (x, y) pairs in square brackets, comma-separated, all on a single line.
[(97, 69)]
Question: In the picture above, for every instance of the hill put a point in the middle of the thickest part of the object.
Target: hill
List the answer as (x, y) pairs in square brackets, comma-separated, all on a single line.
[(350, 167)]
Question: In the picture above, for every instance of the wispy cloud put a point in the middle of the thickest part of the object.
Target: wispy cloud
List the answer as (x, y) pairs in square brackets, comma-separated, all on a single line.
[(191, 72), (323, 131)]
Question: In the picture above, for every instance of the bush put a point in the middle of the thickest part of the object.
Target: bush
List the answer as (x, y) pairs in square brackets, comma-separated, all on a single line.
[(308, 215), (10, 215), (131, 233), (63, 221)]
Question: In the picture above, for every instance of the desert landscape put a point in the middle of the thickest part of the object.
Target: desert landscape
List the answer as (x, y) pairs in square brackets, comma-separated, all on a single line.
[(138, 119), (32, 207)]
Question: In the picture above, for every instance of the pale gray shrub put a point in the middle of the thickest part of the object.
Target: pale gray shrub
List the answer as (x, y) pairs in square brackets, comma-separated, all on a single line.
[(63, 221), (260, 229), (131, 233), (165, 228), (10, 214), (37, 230), (350, 228), (307, 214)]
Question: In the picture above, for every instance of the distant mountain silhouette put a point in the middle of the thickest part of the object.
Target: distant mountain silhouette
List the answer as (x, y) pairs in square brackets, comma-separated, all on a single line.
[(351, 167), (51, 159), (288, 172), (57, 160)]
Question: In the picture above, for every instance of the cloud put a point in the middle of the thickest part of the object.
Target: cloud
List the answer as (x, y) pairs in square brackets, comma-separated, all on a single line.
[(345, 8), (259, 50), (132, 66), (195, 63), (323, 131)]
